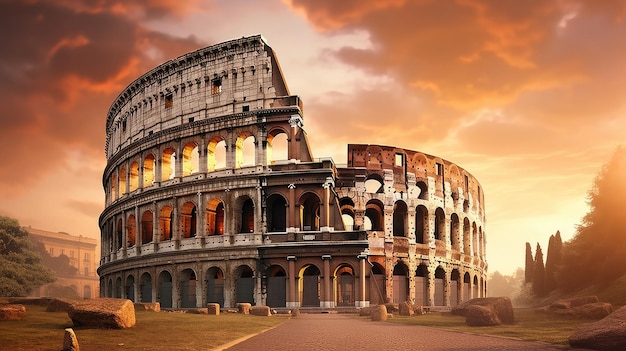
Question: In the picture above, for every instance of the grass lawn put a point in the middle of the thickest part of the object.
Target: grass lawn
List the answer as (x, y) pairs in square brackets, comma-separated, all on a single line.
[(42, 330), (529, 325)]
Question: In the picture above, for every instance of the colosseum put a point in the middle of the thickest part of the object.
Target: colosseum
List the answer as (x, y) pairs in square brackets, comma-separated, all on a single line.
[(212, 195)]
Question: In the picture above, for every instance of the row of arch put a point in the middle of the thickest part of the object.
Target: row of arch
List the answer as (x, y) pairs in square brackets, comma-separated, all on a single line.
[(187, 289), (190, 157)]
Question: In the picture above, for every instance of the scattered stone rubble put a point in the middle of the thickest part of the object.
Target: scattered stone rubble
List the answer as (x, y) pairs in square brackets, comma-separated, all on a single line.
[(486, 311), (105, 313)]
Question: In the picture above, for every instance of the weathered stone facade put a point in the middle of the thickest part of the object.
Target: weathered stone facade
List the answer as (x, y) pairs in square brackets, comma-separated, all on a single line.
[(213, 196)]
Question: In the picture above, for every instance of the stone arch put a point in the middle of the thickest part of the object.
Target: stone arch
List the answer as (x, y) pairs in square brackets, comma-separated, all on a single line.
[(191, 159), (421, 285), (455, 232), (188, 282), (244, 284), (455, 287), (165, 295), (440, 278), (309, 211), (276, 286), (466, 237), (147, 224), (246, 213), (215, 217), (166, 222), (276, 213), (148, 170), (215, 286), (129, 287), (474, 240), (400, 218), (122, 180), (188, 219), (245, 150), (400, 283), (440, 223), (466, 286), (309, 286), (114, 187), (454, 178), (421, 224), (216, 154), (119, 233), (118, 288), (134, 176), (374, 184), (475, 288), (374, 157), (374, 214), (86, 292), (346, 206), (420, 165), (344, 285), (109, 288), (168, 157), (145, 287), (277, 145), (131, 230)]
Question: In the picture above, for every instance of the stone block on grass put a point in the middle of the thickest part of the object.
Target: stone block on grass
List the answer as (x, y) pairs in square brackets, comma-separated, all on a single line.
[(12, 312), (60, 305), (104, 313), (260, 311), (148, 306), (243, 307), (379, 313), (213, 309)]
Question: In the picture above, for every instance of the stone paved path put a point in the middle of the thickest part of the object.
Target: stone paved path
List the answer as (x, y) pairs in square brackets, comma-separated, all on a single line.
[(343, 332)]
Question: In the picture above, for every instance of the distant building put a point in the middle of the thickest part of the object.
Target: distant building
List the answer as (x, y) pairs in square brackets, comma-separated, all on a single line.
[(212, 194), (81, 251)]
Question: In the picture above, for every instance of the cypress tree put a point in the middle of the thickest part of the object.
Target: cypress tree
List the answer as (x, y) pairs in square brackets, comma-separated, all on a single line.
[(530, 264), (551, 265), (539, 275)]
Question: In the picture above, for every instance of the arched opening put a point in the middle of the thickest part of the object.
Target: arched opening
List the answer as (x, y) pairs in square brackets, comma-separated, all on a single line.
[(245, 152), (400, 283), (122, 182), (400, 223), (466, 237), (216, 157), (215, 286), (310, 212), (374, 184), (191, 159), (165, 289), (276, 286), (247, 216), (421, 224), (344, 278), (114, 187), (109, 291), (244, 285), (118, 288), (440, 277), (374, 211), (188, 288), (165, 223), (86, 292), (454, 231), (188, 219), (131, 230), (168, 160), (481, 243), (277, 146), (347, 213), (148, 170), (147, 227), (421, 285), (310, 286), (377, 284), (130, 288), (423, 195), (134, 176), (119, 233), (145, 287), (474, 239), (440, 223), (276, 213), (215, 217), (475, 288), (455, 297)]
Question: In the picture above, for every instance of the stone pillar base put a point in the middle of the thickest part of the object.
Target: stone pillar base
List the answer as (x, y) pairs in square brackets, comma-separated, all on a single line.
[(293, 305), (361, 304), (327, 304)]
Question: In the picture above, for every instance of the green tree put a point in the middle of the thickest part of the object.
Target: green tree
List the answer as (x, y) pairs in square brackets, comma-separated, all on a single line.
[(596, 252), (530, 265), (21, 268), (539, 274)]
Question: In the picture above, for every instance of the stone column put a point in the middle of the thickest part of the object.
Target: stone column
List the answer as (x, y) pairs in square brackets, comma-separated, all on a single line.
[(291, 210), (292, 296), (361, 302), (124, 235), (138, 232), (327, 300), (446, 289), (156, 237)]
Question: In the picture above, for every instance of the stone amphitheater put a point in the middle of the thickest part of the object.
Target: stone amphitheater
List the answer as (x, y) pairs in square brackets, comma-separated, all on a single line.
[(213, 196)]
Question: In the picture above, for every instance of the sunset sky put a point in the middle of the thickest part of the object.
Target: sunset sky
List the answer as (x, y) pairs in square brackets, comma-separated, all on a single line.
[(529, 96)]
